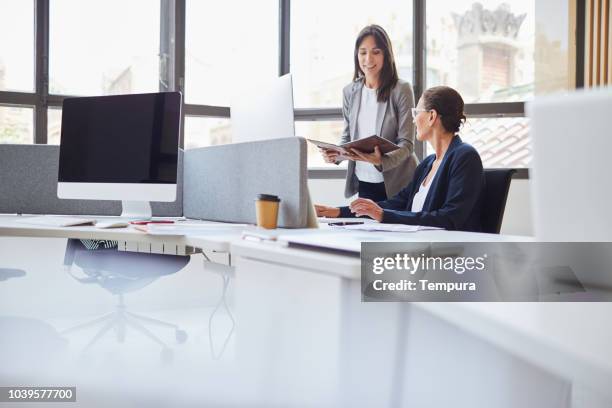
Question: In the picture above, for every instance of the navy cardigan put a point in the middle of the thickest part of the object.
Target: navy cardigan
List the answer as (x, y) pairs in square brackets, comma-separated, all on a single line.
[(454, 200)]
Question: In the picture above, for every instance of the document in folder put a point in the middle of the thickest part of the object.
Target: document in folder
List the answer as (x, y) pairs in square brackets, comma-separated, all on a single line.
[(365, 145)]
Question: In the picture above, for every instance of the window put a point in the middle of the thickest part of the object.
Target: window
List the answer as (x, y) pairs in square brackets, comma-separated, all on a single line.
[(494, 52), (552, 49), (16, 45), (483, 49), (227, 42), (325, 131), (323, 37), (16, 125), (104, 48), (205, 131), (54, 126)]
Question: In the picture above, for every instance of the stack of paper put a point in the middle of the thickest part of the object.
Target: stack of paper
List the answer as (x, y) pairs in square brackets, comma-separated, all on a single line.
[(386, 227)]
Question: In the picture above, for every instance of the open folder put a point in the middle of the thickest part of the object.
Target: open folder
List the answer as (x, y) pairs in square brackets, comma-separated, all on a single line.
[(365, 145)]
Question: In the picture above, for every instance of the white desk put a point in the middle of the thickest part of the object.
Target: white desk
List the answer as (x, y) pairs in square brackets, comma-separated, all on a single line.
[(572, 341), (286, 312), (130, 239)]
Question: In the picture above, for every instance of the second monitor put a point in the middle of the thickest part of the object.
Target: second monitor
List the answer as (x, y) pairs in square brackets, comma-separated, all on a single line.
[(263, 110)]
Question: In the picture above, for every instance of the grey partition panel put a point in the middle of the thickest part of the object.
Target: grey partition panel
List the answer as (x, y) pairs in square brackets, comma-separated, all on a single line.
[(222, 182), (28, 185)]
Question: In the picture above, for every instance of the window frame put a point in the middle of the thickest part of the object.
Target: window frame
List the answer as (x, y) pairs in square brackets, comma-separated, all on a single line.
[(37, 99), (172, 45)]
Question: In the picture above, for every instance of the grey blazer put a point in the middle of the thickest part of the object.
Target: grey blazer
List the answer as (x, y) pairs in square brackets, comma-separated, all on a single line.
[(394, 123)]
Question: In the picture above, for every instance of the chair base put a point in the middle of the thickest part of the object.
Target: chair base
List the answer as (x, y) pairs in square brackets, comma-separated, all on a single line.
[(120, 320)]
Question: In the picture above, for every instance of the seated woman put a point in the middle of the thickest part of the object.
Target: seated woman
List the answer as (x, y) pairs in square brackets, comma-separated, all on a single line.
[(447, 187)]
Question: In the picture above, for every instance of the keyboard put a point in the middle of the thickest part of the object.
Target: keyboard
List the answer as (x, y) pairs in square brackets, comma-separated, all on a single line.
[(56, 221)]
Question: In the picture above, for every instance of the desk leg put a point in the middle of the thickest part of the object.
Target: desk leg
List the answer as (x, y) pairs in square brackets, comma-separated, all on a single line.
[(372, 349), (307, 335), (287, 332)]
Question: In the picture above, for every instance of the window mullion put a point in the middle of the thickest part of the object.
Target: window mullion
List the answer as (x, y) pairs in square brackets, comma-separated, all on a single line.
[(41, 58), (284, 32), (419, 62), (179, 59)]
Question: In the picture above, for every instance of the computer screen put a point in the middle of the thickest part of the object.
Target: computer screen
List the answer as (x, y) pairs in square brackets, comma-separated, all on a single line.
[(120, 147), (120, 139)]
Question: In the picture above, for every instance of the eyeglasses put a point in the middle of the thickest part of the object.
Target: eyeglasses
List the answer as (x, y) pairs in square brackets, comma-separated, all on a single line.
[(416, 111)]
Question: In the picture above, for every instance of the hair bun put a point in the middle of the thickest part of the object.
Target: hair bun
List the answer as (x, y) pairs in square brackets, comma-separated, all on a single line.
[(449, 105)]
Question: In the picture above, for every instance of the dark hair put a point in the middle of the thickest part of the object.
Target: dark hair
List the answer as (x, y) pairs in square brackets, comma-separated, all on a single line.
[(388, 73), (449, 105)]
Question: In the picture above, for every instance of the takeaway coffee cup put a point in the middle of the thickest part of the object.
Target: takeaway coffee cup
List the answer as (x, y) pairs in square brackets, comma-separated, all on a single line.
[(266, 207)]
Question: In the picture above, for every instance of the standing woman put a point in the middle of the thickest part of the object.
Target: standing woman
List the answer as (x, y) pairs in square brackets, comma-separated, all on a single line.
[(378, 103)]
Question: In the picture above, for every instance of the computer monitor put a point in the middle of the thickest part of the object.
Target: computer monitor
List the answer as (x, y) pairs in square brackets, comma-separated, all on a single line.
[(120, 147), (571, 193), (263, 109)]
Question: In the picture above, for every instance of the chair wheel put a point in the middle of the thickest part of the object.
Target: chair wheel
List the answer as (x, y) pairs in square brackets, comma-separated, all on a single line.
[(181, 336), (167, 356)]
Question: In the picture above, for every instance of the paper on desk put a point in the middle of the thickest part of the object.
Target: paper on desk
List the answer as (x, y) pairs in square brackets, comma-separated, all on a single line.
[(325, 220), (386, 227)]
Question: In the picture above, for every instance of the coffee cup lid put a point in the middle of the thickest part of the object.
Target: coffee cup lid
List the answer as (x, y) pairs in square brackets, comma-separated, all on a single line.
[(268, 197)]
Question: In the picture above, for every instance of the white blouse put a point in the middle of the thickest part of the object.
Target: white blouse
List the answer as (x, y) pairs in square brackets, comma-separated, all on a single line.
[(366, 126), (421, 195)]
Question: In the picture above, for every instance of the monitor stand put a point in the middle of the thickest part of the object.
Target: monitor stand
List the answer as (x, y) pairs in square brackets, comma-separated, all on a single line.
[(136, 210)]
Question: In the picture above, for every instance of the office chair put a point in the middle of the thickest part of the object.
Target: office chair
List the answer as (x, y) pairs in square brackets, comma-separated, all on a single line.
[(497, 184), (119, 273)]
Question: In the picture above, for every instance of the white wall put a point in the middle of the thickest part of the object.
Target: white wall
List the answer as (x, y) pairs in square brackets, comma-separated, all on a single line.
[(517, 218)]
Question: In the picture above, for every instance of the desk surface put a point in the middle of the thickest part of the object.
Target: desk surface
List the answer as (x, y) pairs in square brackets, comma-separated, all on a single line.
[(218, 239), (10, 225), (347, 266), (223, 239)]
